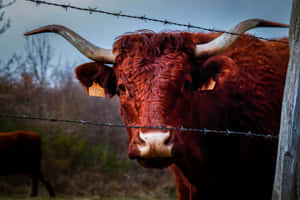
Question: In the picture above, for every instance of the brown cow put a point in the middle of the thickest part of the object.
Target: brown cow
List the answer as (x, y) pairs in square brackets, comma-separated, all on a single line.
[(196, 80), (21, 152)]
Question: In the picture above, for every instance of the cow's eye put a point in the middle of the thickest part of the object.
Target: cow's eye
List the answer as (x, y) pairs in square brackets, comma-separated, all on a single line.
[(122, 88)]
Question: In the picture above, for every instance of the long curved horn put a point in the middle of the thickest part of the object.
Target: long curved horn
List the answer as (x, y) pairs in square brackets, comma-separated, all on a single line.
[(226, 39), (85, 47)]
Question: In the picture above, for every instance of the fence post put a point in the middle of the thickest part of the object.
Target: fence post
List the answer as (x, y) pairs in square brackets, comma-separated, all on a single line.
[(287, 177)]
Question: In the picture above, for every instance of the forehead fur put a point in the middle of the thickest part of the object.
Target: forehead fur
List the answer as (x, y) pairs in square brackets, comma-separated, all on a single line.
[(148, 44), (145, 51)]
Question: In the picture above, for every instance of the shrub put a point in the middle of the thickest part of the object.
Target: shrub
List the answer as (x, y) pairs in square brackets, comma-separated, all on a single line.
[(70, 151)]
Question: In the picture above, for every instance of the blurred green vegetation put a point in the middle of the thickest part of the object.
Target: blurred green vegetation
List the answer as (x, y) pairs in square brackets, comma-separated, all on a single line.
[(71, 151)]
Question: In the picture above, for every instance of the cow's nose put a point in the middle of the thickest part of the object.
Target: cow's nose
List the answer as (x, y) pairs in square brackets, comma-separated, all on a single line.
[(155, 145)]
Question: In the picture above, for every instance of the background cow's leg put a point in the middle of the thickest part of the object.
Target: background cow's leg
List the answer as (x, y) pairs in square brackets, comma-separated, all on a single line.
[(35, 184), (47, 185)]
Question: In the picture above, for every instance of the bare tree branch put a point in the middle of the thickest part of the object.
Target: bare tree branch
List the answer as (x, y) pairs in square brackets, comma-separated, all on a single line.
[(38, 58), (6, 24)]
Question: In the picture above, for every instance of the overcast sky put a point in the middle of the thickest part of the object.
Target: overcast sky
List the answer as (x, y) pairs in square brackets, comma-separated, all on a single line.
[(103, 29)]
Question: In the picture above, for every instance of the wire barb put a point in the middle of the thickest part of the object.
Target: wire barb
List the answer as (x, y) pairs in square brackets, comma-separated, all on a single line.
[(144, 18)]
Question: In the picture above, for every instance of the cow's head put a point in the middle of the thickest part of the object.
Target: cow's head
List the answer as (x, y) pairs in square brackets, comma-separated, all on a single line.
[(156, 77)]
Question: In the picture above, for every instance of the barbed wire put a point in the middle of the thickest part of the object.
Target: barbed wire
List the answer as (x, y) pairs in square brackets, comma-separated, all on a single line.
[(204, 131), (144, 18)]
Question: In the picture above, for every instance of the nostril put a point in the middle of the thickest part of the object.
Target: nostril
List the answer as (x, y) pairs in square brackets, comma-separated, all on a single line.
[(140, 140), (167, 140)]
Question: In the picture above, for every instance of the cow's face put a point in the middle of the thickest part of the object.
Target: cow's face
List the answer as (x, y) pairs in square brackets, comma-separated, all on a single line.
[(155, 88), (156, 94)]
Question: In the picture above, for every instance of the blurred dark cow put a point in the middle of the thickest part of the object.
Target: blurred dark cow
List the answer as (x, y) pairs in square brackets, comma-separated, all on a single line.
[(21, 152), (196, 80)]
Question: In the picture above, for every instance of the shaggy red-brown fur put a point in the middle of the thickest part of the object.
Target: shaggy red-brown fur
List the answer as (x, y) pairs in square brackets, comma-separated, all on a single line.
[(158, 80), (21, 152)]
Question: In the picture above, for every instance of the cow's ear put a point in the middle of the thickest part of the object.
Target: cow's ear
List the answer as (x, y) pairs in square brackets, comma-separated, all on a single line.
[(214, 72), (90, 73)]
